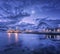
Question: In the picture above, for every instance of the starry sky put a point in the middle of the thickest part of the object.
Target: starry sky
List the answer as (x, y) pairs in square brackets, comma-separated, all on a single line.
[(13, 12)]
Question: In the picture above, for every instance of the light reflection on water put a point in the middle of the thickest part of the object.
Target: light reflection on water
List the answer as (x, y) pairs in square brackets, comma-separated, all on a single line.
[(29, 40), (58, 37), (9, 34), (15, 36)]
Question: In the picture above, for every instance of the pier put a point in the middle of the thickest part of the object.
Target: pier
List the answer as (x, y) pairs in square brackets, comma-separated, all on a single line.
[(46, 33)]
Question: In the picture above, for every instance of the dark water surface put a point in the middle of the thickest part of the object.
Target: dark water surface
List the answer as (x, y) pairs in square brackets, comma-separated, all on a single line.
[(28, 44)]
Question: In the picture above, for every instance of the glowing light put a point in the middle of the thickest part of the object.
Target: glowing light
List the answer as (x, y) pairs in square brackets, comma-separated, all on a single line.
[(33, 11), (58, 30)]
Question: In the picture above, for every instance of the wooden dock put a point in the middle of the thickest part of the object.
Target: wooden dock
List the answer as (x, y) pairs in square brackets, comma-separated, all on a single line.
[(36, 32), (46, 33)]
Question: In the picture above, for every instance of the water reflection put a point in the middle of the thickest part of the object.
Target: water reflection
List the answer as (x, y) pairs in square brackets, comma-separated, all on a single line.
[(16, 37), (29, 41), (57, 37), (10, 35)]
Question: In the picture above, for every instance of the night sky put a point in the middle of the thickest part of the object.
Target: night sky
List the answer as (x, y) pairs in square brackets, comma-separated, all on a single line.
[(13, 12)]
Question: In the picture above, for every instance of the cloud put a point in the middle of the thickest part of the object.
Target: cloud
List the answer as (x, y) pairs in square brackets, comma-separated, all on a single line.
[(51, 5), (11, 11)]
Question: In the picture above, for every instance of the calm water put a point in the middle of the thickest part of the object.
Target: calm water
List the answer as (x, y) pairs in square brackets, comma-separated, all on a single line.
[(31, 43)]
